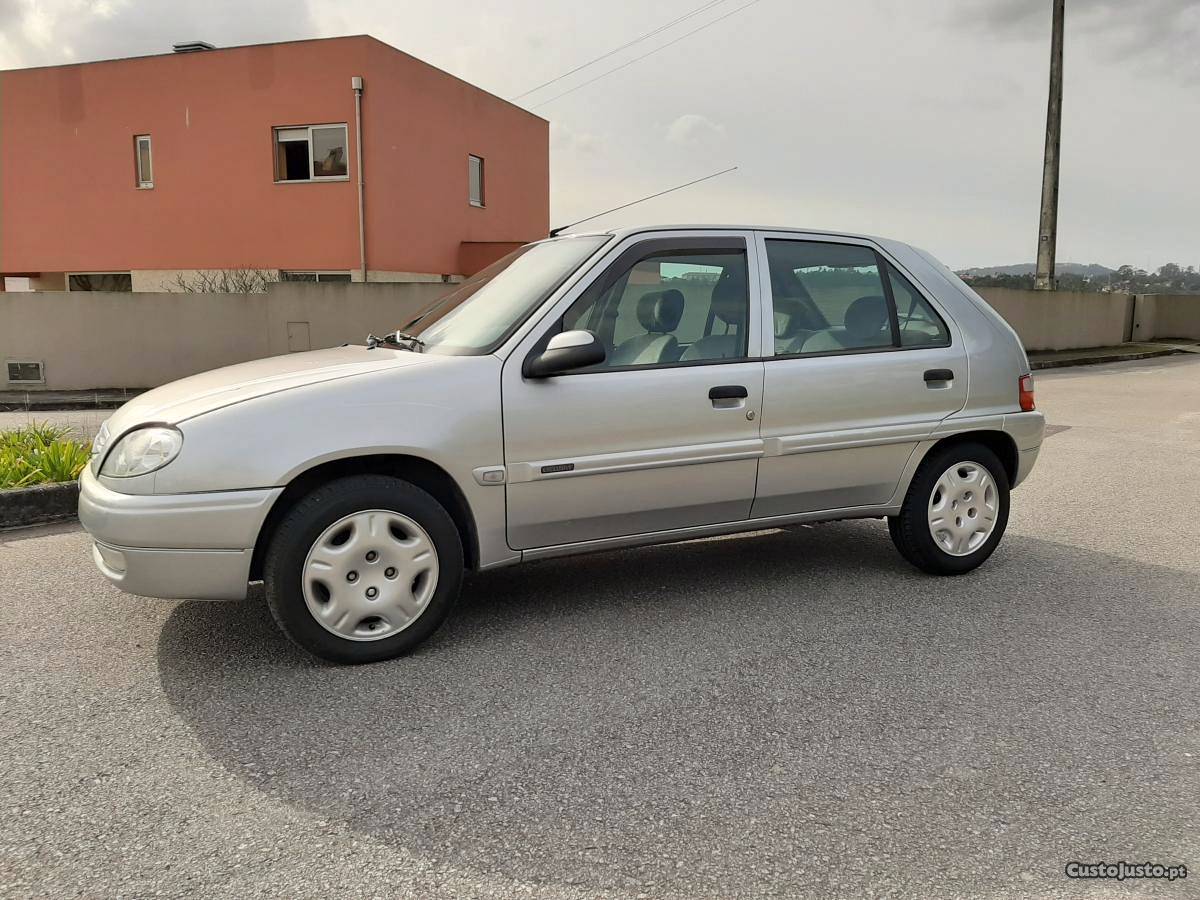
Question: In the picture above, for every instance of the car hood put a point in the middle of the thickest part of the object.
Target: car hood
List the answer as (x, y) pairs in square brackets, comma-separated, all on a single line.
[(198, 394)]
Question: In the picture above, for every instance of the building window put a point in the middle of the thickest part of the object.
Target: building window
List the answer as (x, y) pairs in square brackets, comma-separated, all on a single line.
[(145, 171), (100, 281), (311, 153), (475, 180), (314, 276), (22, 371)]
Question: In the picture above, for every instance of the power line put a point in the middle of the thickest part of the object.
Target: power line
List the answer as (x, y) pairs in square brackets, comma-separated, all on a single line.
[(637, 40), (644, 55)]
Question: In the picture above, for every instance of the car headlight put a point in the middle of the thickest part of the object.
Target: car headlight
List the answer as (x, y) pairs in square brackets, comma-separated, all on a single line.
[(142, 450), (99, 445)]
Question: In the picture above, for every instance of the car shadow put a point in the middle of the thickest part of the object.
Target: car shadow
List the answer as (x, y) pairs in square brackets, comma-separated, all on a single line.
[(796, 711)]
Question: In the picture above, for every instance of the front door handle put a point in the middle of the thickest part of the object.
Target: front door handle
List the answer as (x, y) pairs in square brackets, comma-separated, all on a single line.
[(728, 392), (939, 375)]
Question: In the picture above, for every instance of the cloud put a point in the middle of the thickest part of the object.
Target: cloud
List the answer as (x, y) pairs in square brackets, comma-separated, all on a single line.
[(1162, 35), (50, 32), (692, 128), (565, 139)]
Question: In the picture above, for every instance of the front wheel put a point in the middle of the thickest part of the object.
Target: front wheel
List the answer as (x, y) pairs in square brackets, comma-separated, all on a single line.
[(955, 511), (363, 569)]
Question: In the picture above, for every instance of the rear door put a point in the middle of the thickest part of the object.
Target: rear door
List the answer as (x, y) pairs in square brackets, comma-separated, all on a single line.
[(864, 365)]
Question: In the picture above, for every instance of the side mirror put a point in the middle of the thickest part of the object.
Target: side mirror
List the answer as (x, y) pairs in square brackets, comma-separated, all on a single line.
[(565, 352)]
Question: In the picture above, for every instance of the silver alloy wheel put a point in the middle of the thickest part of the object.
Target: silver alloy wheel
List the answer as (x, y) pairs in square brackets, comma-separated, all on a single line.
[(963, 508), (370, 575)]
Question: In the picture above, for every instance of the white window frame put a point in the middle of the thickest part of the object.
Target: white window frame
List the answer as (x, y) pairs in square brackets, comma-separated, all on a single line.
[(26, 362), (93, 272), (482, 201), (143, 183), (311, 164), (318, 272)]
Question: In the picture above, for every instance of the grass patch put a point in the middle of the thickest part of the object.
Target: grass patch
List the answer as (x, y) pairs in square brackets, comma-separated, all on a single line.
[(40, 454)]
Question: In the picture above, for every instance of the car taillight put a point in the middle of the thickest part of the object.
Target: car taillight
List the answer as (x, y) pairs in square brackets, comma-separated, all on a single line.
[(1025, 390)]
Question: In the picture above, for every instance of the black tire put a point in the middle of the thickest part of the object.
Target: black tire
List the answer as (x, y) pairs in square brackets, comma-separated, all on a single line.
[(305, 522), (910, 530)]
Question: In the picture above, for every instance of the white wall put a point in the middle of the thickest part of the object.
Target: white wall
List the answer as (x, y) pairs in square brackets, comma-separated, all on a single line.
[(1063, 320), (90, 340)]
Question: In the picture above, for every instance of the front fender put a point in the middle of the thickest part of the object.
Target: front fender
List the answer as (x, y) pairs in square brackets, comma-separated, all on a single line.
[(450, 416)]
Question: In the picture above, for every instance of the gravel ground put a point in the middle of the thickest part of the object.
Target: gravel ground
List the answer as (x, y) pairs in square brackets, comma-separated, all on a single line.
[(795, 713)]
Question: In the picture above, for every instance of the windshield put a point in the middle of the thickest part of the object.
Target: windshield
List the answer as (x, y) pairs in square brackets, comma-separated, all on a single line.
[(479, 314)]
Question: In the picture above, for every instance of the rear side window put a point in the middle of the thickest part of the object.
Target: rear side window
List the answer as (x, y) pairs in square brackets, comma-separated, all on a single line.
[(920, 325), (828, 298)]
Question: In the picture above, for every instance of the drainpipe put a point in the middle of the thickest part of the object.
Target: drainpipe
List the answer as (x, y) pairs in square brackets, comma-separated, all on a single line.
[(356, 83)]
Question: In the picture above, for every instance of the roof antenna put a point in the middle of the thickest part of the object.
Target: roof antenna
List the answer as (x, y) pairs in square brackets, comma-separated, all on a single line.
[(555, 232)]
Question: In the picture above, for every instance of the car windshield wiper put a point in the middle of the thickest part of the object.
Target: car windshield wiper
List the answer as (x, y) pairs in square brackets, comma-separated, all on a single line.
[(397, 339)]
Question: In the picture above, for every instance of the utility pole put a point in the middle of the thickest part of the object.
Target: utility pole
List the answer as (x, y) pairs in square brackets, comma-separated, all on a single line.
[(1048, 227)]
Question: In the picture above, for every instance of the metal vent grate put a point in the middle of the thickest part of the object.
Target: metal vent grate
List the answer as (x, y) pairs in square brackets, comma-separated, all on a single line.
[(192, 46), (21, 371)]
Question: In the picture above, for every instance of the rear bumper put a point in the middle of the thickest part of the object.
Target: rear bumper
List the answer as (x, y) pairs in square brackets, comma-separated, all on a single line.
[(1026, 429), (1025, 461), (194, 546)]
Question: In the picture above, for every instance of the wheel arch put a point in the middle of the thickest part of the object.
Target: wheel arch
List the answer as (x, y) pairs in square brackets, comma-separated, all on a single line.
[(423, 473), (999, 442)]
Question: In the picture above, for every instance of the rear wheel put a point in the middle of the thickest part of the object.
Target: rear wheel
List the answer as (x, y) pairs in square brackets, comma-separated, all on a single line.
[(363, 568), (955, 511)]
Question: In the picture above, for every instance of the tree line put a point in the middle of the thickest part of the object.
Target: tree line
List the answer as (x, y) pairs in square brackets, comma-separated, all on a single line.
[(1168, 279)]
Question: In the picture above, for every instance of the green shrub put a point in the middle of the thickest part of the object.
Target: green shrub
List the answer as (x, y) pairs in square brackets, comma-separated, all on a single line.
[(40, 453)]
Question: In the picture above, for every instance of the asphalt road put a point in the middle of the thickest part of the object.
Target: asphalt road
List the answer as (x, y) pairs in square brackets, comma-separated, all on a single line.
[(795, 713)]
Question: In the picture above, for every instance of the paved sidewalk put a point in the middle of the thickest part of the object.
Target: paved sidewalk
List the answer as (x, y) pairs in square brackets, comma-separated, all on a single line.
[(1055, 359)]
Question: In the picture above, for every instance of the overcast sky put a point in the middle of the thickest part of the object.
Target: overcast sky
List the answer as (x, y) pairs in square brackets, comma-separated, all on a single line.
[(921, 120)]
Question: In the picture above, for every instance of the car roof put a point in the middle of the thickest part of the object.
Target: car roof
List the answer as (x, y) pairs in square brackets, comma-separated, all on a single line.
[(625, 231)]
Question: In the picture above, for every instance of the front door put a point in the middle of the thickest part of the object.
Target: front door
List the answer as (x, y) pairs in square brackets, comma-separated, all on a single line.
[(662, 435), (864, 368)]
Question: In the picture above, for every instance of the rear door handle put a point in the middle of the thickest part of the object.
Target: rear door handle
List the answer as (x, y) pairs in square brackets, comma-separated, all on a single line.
[(939, 375), (728, 392)]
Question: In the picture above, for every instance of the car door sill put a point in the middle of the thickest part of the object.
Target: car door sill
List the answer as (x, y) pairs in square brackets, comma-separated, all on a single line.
[(675, 535)]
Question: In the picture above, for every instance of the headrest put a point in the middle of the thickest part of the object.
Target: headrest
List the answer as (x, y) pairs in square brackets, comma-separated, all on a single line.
[(729, 296), (790, 318), (660, 311), (866, 318)]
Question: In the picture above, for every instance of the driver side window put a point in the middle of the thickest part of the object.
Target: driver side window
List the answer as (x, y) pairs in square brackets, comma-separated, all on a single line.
[(669, 307)]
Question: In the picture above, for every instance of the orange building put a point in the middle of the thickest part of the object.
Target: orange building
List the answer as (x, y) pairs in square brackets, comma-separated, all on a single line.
[(129, 174)]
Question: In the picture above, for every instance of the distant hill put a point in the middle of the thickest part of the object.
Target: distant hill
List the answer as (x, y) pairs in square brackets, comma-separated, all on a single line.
[(1090, 270)]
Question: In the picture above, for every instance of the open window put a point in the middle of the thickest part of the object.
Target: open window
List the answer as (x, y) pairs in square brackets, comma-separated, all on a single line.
[(312, 153), (322, 277), (100, 281)]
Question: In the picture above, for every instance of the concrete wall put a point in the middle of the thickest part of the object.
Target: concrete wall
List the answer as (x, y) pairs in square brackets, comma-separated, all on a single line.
[(92, 340), (102, 340), (1064, 320), (1167, 316)]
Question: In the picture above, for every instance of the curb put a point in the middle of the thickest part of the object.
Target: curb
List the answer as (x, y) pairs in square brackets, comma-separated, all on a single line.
[(39, 504), (1096, 360)]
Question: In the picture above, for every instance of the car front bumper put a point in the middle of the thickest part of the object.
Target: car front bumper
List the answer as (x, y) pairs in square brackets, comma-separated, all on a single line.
[(174, 546)]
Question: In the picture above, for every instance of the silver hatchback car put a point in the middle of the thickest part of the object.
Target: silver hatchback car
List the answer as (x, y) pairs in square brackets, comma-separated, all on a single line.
[(584, 393)]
